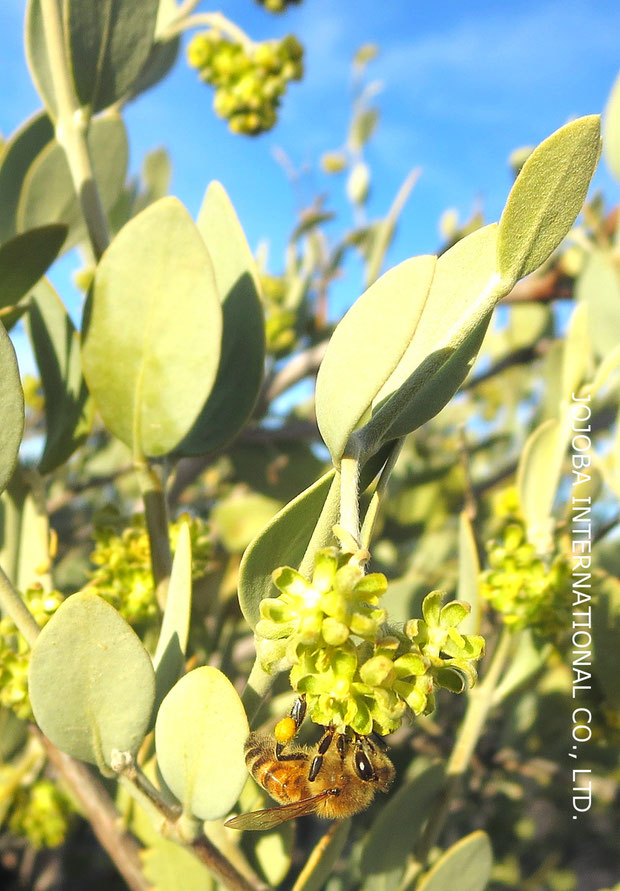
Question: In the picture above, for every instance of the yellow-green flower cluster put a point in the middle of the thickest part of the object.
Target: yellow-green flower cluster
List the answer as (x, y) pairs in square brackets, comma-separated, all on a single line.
[(280, 322), (527, 591), (277, 5), (124, 577), (353, 670), (15, 652), (40, 812), (250, 80)]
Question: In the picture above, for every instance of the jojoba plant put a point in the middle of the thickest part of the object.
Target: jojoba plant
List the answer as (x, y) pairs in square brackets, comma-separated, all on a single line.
[(251, 575)]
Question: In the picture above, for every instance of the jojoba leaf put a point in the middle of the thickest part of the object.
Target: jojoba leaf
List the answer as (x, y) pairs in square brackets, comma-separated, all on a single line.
[(152, 334), (547, 196), (11, 409), (367, 346), (91, 681), (466, 865), (242, 356), (200, 732)]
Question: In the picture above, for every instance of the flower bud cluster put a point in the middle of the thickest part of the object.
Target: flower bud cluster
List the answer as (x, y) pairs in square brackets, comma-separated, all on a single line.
[(40, 812), (280, 321), (249, 81), (354, 670), (277, 5), (123, 558), (15, 652), (523, 587)]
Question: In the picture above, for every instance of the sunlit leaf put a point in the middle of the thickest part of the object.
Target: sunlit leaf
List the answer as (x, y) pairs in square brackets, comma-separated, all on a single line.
[(152, 335), (91, 681), (242, 356), (611, 130), (200, 732), (547, 196), (466, 865), (367, 346)]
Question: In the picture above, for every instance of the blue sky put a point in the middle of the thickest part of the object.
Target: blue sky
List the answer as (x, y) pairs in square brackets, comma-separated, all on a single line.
[(464, 84)]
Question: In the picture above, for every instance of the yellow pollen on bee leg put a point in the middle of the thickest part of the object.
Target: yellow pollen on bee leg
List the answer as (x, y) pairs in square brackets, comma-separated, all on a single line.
[(285, 730)]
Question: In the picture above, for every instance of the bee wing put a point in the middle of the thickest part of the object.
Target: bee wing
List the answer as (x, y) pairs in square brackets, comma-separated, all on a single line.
[(273, 816)]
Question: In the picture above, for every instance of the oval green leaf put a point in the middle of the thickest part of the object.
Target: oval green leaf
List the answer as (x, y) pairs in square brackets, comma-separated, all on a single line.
[(547, 196), (466, 865), (200, 732), (91, 681), (18, 154), (25, 258), (37, 56), (367, 346), (538, 475), (242, 358), (599, 287), (611, 130), (397, 827), (282, 542), (446, 339), (469, 570), (109, 43), (170, 651), (48, 194), (152, 337), (11, 409), (56, 344)]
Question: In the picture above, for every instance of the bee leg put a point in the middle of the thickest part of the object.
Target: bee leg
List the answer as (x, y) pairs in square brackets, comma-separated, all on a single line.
[(322, 747), (341, 745), (289, 726)]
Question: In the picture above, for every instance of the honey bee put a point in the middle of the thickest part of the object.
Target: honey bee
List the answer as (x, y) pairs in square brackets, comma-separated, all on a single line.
[(334, 779)]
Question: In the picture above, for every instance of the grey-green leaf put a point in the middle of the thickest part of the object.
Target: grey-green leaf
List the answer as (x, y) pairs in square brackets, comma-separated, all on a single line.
[(282, 542), (469, 570), (611, 130), (17, 156), (48, 194), (324, 858), (37, 55), (547, 196), (538, 475), (172, 643), (109, 43), (598, 286), (91, 681), (447, 337), (25, 258), (200, 732), (242, 357), (11, 409), (466, 865), (399, 823), (367, 346), (56, 344), (152, 336)]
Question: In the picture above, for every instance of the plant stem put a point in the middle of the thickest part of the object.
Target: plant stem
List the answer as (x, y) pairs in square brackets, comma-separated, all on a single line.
[(258, 685), (349, 495), (13, 605), (121, 847), (71, 128), (479, 705), (222, 868), (156, 512), (378, 494), (216, 21)]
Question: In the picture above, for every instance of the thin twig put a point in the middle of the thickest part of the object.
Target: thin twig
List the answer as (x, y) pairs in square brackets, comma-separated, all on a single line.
[(122, 848)]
